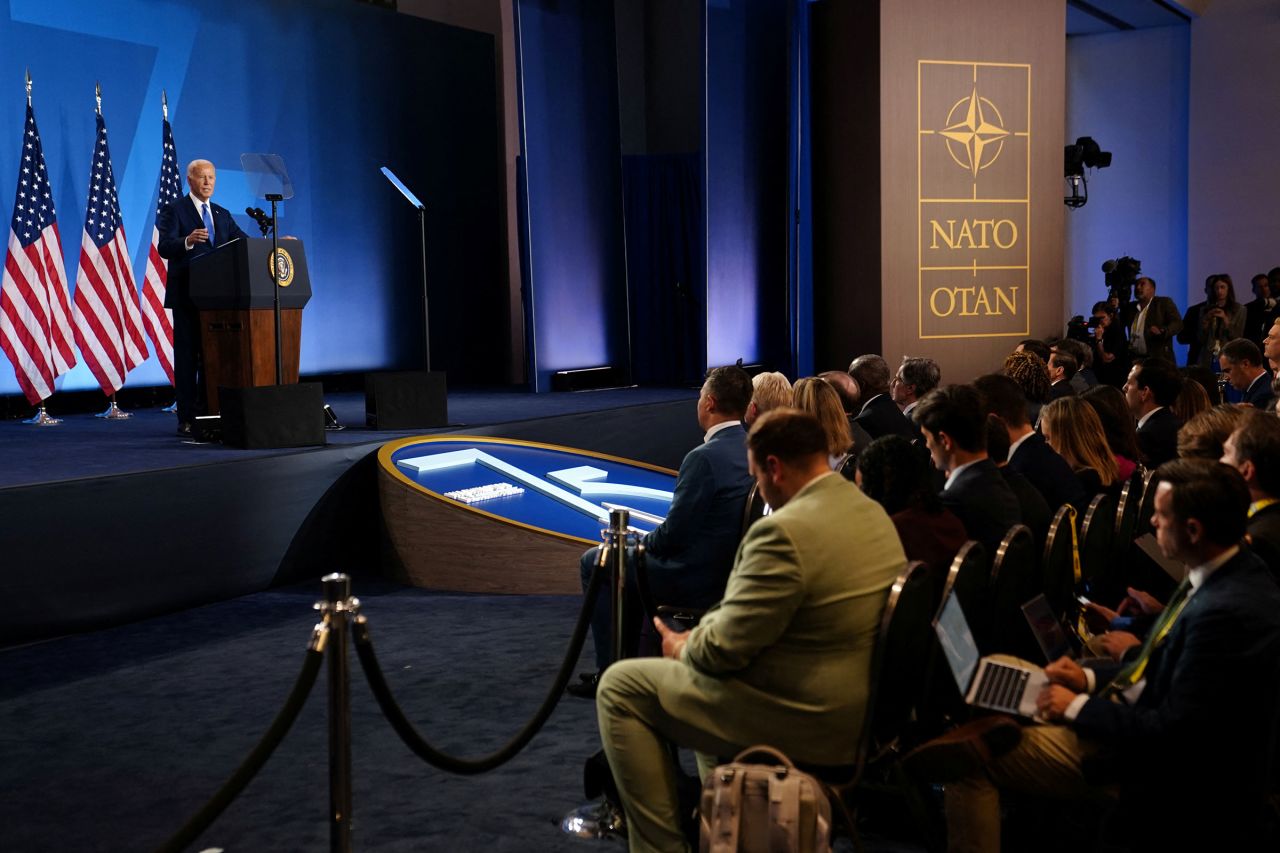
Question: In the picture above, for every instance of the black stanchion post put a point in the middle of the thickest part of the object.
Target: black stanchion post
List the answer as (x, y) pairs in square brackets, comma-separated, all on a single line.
[(618, 520), (337, 606)]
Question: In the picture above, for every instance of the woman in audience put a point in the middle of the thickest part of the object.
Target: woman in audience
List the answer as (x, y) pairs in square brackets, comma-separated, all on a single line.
[(1202, 436), (1032, 376), (1221, 320), (1191, 400), (818, 398), (895, 474), (1117, 425), (1072, 428)]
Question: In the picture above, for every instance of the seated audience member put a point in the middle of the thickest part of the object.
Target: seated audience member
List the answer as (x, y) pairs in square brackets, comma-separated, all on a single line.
[(895, 475), (847, 388), (915, 378), (1036, 513), (783, 659), (955, 432), (1271, 347), (818, 398), (1192, 399), (1254, 450), (1208, 381), (1029, 454), (1084, 378), (1032, 376), (1117, 424), (768, 391), (1110, 346), (1241, 361), (1150, 390), (689, 555), (1203, 436), (878, 414), (1036, 347), (1188, 720), (1062, 367), (1261, 312), (1071, 427)]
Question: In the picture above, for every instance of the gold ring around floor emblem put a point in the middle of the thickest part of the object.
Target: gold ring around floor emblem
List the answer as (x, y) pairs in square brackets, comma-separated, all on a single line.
[(284, 267)]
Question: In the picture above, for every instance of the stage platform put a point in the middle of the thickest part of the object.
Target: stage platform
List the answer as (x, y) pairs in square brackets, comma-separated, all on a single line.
[(107, 522)]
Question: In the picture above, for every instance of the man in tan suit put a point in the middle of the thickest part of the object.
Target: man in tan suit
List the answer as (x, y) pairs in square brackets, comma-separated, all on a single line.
[(783, 659)]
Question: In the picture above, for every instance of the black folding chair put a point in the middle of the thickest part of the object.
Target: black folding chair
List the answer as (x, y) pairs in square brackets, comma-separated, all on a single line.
[(1015, 579), (1059, 563)]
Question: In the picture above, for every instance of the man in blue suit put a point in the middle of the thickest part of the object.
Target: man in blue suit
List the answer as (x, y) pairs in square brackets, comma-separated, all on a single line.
[(689, 555), (188, 228), (1186, 719)]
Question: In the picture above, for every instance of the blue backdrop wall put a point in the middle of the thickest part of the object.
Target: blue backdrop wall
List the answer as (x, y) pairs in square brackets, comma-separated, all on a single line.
[(338, 89), (571, 204), (747, 153), (1130, 92)]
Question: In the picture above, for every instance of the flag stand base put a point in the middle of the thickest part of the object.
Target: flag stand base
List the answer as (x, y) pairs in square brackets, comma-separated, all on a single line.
[(114, 412), (42, 418)]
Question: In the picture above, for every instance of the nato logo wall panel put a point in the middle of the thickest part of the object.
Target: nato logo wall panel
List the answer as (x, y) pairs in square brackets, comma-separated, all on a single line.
[(974, 182)]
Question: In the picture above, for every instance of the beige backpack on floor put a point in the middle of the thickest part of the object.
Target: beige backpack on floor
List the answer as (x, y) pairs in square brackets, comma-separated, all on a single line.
[(750, 807)]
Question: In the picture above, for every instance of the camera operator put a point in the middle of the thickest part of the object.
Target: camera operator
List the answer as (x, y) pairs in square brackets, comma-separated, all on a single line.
[(1110, 347), (1156, 320)]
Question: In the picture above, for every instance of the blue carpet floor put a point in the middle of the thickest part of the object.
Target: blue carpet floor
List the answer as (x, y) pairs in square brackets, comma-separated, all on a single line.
[(111, 739)]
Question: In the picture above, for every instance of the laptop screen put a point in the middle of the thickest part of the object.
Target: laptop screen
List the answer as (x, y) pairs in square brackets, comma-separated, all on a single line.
[(1048, 630), (957, 642)]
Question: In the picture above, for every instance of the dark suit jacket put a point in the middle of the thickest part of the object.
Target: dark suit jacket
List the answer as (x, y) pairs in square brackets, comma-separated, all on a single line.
[(1199, 730), (1049, 473), (983, 501), (174, 223), (1158, 438), (1036, 513), (1264, 537), (1165, 315), (1061, 389), (881, 416), (1259, 393), (694, 547), (1258, 321), (932, 538)]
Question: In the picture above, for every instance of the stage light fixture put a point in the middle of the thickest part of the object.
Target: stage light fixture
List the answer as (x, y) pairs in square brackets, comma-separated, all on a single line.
[(1084, 154)]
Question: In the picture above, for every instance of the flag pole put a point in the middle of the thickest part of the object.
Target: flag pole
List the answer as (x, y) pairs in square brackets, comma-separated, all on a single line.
[(113, 412), (41, 417), (164, 109)]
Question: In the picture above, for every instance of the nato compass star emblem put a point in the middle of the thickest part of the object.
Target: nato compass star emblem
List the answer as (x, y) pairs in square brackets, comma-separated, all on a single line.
[(977, 138)]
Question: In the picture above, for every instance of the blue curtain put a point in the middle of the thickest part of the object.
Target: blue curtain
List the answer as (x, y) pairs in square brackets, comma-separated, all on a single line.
[(666, 270)]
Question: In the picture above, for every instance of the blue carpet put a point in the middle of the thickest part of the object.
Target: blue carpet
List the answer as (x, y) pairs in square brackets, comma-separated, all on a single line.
[(86, 446), (112, 739)]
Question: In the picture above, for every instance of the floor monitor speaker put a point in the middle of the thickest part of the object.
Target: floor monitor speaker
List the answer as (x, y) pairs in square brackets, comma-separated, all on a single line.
[(273, 416), (410, 399)]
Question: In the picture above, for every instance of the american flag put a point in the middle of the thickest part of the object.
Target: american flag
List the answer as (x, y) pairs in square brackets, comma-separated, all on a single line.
[(108, 322), (158, 319), (35, 326)]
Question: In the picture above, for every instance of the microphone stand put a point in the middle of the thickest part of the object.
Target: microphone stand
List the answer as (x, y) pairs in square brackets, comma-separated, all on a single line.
[(275, 281)]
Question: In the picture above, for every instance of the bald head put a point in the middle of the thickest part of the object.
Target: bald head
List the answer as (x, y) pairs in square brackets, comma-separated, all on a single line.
[(201, 177)]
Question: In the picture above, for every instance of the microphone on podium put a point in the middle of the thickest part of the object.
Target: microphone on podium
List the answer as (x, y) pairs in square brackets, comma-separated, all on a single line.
[(258, 216)]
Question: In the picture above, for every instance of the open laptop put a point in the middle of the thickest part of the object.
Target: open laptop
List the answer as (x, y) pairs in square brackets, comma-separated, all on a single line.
[(1053, 639), (983, 682)]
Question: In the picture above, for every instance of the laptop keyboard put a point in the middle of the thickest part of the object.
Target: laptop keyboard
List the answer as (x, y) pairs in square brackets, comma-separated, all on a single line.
[(1002, 687)]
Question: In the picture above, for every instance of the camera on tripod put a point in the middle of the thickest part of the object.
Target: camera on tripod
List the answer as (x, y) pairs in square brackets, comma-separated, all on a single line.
[(1120, 274)]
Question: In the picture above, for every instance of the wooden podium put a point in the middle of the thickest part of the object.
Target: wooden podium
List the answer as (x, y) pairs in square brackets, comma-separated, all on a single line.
[(231, 287)]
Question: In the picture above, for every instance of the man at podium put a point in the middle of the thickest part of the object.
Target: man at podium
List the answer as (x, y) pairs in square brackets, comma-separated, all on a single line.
[(189, 227)]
